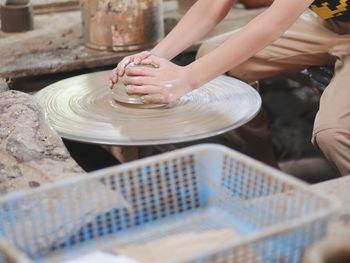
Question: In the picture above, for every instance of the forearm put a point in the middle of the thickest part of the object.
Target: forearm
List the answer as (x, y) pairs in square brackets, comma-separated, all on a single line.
[(255, 36), (197, 22)]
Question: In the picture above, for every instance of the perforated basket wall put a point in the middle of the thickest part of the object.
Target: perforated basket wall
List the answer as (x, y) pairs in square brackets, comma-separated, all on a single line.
[(201, 204)]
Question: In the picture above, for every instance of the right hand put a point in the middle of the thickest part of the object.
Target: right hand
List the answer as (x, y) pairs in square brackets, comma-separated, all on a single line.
[(120, 69)]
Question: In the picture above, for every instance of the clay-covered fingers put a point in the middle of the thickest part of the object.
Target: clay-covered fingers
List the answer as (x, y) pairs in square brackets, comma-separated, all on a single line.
[(140, 71), (120, 69), (141, 90), (137, 58), (138, 80), (141, 56), (153, 60), (113, 78), (110, 84)]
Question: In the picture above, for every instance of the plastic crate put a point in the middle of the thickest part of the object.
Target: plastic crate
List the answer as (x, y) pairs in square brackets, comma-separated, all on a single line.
[(204, 203)]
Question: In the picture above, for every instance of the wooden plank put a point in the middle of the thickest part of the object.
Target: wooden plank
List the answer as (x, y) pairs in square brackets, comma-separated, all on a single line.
[(49, 2), (55, 7), (64, 60)]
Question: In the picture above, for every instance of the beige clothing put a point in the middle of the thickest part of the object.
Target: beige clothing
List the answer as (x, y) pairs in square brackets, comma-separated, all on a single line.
[(310, 41)]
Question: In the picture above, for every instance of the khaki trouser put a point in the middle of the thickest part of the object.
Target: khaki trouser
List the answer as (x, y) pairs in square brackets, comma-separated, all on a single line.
[(309, 42)]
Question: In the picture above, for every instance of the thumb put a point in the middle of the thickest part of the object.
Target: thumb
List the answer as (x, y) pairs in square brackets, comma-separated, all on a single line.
[(140, 57), (153, 60)]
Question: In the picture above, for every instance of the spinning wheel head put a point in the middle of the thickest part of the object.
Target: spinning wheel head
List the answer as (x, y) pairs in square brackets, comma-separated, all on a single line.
[(83, 109)]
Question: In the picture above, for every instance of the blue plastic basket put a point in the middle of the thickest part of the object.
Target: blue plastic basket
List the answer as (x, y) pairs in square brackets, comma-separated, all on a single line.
[(205, 203)]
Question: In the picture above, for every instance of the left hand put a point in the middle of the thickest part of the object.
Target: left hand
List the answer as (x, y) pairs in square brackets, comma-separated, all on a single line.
[(161, 85)]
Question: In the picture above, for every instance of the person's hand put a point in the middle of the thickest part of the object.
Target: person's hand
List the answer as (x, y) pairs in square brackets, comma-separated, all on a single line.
[(120, 69), (162, 84)]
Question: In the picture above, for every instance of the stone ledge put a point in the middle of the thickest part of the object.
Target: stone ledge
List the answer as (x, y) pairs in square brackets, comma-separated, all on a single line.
[(31, 152)]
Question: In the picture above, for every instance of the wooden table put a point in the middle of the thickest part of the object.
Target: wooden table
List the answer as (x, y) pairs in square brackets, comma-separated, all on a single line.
[(56, 45)]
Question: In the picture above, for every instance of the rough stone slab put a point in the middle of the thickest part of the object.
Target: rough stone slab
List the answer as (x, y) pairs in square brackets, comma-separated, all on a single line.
[(31, 153), (3, 85)]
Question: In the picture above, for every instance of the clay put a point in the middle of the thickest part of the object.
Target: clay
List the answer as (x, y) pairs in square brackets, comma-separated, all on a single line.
[(82, 109), (121, 95)]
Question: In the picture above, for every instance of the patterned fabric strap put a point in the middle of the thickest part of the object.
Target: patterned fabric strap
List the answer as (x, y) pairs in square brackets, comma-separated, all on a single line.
[(331, 8)]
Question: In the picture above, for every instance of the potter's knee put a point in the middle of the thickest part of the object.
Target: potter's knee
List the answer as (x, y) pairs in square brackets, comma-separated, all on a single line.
[(244, 73), (328, 139), (212, 43), (335, 145), (206, 48)]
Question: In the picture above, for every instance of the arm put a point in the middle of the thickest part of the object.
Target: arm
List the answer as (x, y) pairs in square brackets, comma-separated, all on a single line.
[(197, 22), (252, 38), (194, 25), (169, 81)]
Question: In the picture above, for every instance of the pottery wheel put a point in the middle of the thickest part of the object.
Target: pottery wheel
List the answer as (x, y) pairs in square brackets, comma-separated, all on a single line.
[(82, 109)]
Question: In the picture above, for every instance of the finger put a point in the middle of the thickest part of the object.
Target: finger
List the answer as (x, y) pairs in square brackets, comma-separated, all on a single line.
[(113, 77), (155, 99), (139, 81), (110, 84), (122, 65), (120, 69), (141, 56), (146, 89), (151, 61), (140, 71)]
